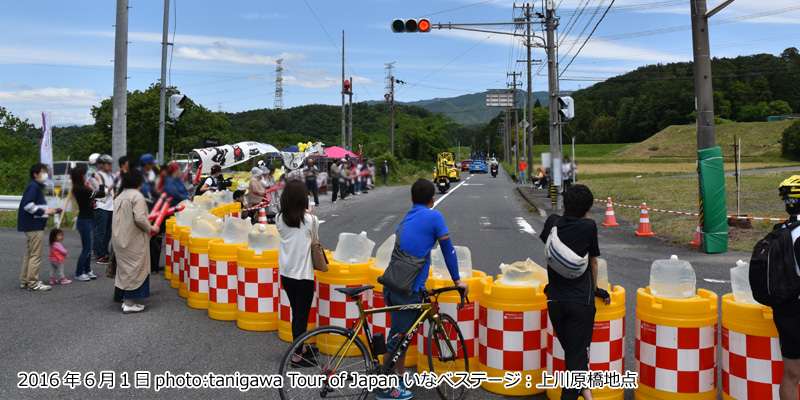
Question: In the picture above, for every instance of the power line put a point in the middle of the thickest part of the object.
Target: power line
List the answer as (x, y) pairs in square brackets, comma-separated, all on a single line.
[(587, 39), (572, 46), (174, 28), (456, 8)]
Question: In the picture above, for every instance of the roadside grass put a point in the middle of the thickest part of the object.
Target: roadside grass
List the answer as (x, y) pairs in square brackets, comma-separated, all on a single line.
[(758, 199), (584, 150), (591, 168), (8, 219)]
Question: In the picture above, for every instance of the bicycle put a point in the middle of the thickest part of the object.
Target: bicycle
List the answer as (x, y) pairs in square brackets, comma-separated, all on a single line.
[(339, 350)]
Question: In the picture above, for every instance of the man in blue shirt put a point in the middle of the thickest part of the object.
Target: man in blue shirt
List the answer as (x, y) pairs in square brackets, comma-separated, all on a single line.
[(31, 219), (422, 227)]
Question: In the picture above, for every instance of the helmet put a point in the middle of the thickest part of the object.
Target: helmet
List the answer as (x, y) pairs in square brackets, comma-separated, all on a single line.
[(105, 158), (93, 158), (790, 188)]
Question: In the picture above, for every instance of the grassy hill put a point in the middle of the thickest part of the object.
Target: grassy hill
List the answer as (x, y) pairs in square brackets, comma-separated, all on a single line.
[(759, 140)]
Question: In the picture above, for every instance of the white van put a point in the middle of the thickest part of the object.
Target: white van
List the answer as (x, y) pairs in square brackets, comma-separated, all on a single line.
[(61, 174)]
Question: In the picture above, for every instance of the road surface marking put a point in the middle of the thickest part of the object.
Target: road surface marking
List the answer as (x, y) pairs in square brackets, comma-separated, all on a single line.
[(524, 226), (447, 194), (474, 184), (484, 221), (383, 223), (715, 280), (322, 221)]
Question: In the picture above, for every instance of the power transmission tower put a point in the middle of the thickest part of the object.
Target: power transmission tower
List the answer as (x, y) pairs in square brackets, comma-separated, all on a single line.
[(389, 96), (278, 105), (514, 85)]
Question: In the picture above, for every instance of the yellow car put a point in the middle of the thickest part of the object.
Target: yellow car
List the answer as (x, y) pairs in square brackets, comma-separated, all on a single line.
[(455, 173)]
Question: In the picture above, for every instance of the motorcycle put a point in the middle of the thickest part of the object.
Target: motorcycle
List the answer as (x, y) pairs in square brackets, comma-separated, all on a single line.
[(494, 171), (443, 183)]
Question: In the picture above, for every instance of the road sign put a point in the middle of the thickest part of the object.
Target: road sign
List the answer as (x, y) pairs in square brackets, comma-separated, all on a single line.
[(499, 98), (524, 124)]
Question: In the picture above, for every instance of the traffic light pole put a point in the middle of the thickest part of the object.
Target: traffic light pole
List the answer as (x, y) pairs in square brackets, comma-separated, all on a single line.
[(552, 88), (163, 96), (343, 115), (517, 147)]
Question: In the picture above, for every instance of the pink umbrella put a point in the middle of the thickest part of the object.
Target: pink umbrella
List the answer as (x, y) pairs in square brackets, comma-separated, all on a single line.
[(338, 152)]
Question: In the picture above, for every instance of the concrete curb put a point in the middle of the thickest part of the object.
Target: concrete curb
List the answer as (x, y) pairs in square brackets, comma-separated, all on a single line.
[(533, 202)]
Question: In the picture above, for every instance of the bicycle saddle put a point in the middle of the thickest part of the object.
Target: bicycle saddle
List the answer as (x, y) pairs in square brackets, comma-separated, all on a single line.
[(353, 292)]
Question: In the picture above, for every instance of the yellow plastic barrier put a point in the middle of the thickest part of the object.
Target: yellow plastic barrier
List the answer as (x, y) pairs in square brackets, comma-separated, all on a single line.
[(752, 365), (235, 209), (183, 287), (676, 346), (467, 319), (222, 280), (334, 308), (198, 273), (379, 323), (285, 315), (168, 248), (176, 255), (607, 351), (512, 335), (258, 281)]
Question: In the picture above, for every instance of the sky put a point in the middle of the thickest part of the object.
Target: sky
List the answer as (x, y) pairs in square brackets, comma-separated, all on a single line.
[(58, 56)]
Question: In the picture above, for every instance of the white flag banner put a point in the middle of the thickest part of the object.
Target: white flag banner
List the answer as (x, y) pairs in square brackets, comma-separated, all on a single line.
[(46, 144), (294, 161), (233, 154)]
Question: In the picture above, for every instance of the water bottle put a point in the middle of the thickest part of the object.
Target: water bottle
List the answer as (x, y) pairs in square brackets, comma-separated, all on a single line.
[(602, 274), (353, 249), (672, 278), (384, 253), (185, 217), (206, 225), (439, 267), (740, 283), (522, 273), (263, 237), (235, 230)]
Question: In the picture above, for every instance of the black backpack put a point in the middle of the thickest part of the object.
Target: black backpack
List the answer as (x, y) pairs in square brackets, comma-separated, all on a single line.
[(773, 278)]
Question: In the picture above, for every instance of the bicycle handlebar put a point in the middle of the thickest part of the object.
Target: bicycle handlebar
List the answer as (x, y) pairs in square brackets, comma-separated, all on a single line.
[(449, 289)]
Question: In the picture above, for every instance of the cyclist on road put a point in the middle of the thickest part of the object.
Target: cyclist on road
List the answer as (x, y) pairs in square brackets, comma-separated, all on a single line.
[(422, 228)]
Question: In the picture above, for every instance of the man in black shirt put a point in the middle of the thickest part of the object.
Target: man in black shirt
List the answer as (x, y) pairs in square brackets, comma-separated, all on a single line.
[(570, 302)]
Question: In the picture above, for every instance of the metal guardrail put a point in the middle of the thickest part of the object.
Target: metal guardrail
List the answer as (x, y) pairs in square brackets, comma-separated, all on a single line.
[(10, 202)]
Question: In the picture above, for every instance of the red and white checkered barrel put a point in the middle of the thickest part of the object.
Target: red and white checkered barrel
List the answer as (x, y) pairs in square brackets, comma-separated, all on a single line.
[(466, 318), (607, 350), (257, 291), (223, 280), (752, 365), (335, 308), (198, 273), (175, 280), (380, 323), (285, 314), (183, 287), (511, 334), (676, 346), (168, 225)]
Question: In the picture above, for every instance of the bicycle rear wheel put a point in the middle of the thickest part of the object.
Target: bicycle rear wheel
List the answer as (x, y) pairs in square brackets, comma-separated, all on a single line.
[(442, 360), (326, 357)]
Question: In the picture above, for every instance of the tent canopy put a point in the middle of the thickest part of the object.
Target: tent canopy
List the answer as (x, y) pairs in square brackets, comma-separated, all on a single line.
[(338, 152), (292, 149)]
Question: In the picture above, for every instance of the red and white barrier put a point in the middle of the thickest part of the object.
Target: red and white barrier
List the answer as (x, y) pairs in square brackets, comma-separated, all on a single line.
[(257, 289), (512, 340), (693, 214), (222, 282)]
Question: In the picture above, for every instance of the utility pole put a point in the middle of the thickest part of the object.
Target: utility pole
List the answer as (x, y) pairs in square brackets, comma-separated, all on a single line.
[(517, 147), (391, 105), (529, 128), (162, 102), (350, 133), (343, 116), (120, 102), (552, 88), (388, 95)]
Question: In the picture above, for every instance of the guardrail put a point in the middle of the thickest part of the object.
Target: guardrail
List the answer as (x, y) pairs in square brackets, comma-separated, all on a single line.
[(10, 202)]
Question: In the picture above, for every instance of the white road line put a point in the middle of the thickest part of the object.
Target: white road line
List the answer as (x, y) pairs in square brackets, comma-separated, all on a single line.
[(447, 194), (715, 280), (383, 223), (322, 221), (484, 221), (474, 184), (524, 226)]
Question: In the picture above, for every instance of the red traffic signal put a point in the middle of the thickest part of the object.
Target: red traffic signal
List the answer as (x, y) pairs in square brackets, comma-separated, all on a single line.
[(411, 25)]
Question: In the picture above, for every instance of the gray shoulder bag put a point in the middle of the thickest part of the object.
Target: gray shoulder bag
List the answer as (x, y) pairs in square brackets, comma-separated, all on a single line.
[(403, 269)]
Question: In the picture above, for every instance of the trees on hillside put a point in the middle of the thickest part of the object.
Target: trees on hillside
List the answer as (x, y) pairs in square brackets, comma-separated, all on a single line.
[(19, 152)]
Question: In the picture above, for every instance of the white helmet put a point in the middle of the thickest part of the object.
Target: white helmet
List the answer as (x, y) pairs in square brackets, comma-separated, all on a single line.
[(93, 158)]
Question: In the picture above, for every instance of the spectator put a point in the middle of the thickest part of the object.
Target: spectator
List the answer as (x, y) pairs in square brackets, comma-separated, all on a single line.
[(523, 168), (357, 176), (540, 180), (58, 256), (256, 189), (31, 219), (104, 207), (238, 197), (84, 195), (310, 172), (343, 173), (294, 224), (351, 178), (274, 197), (146, 164), (566, 173), (124, 166), (335, 180), (421, 228), (365, 171), (570, 302), (130, 238), (385, 171), (372, 174), (211, 181), (173, 185)]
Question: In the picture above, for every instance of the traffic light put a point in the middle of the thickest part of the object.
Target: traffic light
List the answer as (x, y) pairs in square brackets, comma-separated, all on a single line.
[(566, 108), (411, 25), (175, 101)]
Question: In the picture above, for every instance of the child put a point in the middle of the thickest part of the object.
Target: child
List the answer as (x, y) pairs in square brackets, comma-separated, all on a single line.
[(238, 197), (58, 255)]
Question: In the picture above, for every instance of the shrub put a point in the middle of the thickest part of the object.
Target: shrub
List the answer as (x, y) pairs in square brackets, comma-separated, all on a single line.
[(790, 142)]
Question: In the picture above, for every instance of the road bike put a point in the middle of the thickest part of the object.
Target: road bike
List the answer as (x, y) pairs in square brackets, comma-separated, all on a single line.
[(334, 359)]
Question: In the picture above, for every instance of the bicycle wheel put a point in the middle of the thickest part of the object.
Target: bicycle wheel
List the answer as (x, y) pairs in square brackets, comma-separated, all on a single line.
[(442, 360), (309, 378)]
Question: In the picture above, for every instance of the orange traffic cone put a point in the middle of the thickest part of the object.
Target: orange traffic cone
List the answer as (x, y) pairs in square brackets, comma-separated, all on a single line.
[(234, 215), (611, 219), (696, 241), (644, 223), (262, 216)]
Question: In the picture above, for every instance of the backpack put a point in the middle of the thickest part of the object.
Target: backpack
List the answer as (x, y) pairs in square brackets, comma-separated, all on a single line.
[(773, 278), (197, 191), (561, 259)]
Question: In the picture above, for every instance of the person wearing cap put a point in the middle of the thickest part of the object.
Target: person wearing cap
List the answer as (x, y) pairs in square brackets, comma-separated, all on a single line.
[(384, 171), (255, 188), (211, 181), (310, 172), (103, 211), (274, 197), (173, 185), (146, 163), (335, 180)]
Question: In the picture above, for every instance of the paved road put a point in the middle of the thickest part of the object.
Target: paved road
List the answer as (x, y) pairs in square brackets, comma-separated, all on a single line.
[(78, 328), (744, 172)]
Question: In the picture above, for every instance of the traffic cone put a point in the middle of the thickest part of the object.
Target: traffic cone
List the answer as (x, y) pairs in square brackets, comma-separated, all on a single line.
[(235, 215), (262, 216), (611, 219), (696, 241), (644, 223)]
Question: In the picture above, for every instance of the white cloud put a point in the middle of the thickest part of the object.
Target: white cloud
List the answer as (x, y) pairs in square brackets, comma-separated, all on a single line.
[(60, 117), (222, 51), (320, 79), (202, 40), (52, 96), (17, 86)]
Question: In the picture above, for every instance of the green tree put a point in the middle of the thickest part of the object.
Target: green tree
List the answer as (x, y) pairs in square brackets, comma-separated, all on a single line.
[(790, 141), (779, 107), (754, 113), (19, 152)]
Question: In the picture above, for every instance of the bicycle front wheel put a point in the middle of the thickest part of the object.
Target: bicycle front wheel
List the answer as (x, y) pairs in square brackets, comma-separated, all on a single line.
[(310, 377), (443, 359)]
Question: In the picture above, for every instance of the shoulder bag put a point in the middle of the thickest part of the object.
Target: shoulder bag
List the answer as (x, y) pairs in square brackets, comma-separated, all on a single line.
[(318, 257), (403, 269)]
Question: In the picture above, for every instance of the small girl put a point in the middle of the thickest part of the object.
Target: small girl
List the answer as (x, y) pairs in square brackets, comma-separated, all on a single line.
[(58, 255)]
